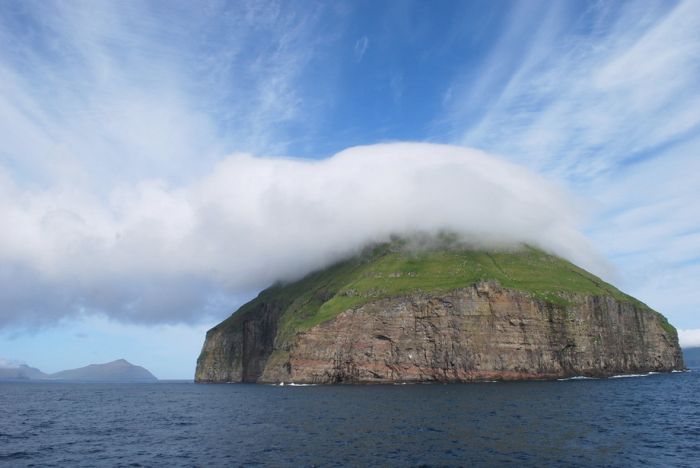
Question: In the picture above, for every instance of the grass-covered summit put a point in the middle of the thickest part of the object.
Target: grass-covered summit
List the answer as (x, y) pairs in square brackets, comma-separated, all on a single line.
[(398, 268)]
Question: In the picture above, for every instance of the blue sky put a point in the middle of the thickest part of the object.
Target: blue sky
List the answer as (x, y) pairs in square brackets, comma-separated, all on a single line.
[(119, 121)]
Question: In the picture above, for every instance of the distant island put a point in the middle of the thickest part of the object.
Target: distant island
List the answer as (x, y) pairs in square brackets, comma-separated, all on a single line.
[(444, 313), (116, 371)]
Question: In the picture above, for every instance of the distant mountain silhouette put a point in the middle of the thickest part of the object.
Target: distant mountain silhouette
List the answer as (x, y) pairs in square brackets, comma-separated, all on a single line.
[(21, 372), (115, 371)]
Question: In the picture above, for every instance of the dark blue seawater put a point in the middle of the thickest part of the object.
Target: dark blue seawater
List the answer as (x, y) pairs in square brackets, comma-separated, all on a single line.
[(653, 420)]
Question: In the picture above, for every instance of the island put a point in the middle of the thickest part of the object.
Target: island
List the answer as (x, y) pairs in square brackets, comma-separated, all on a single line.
[(439, 314), (449, 314), (117, 371)]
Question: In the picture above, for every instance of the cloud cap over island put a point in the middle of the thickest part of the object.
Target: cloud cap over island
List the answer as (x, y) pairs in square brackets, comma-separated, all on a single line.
[(155, 253)]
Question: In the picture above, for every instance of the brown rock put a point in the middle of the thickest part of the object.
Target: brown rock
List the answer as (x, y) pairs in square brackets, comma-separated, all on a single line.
[(480, 332)]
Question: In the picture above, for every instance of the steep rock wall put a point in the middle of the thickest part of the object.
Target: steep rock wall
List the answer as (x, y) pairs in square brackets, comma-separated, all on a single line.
[(483, 332), (239, 353)]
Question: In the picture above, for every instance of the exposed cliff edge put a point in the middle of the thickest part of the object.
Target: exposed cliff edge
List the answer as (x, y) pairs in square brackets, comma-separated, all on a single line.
[(392, 315)]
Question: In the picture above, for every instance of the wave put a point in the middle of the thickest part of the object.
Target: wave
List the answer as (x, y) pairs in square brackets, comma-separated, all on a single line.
[(292, 384), (578, 377), (619, 376), (623, 376)]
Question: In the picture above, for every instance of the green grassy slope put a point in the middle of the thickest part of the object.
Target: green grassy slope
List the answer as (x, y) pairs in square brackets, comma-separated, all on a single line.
[(393, 270)]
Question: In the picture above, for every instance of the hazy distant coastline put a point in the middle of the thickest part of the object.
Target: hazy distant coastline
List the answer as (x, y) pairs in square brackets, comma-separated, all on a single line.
[(116, 371)]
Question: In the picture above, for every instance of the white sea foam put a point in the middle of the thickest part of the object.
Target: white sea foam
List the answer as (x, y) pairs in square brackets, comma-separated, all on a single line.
[(622, 376), (577, 377)]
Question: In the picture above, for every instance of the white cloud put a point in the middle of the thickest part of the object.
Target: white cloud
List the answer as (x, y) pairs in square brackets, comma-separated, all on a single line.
[(689, 338), (604, 100), (153, 252), (647, 225), (577, 105), (9, 363), (103, 93), (361, 47), (109, 197)]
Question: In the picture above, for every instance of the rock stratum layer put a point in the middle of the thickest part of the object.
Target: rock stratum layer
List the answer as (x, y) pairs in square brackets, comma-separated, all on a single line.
[(390, 316)]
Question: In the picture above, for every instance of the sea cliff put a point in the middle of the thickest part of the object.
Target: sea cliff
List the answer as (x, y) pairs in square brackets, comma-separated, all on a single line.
[(391, 316)]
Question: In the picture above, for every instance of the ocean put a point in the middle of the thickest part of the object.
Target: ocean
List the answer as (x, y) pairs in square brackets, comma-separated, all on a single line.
[(652, 420)]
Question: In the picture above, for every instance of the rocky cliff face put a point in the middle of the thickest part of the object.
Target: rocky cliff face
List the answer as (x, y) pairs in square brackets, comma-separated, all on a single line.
[(481, 332)]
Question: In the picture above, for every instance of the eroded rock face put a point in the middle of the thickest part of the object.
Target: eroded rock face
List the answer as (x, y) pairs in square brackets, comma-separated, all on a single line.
[(483, 332)]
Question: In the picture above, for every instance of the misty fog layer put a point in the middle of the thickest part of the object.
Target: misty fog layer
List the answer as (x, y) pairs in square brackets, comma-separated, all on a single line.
[(156, 253)]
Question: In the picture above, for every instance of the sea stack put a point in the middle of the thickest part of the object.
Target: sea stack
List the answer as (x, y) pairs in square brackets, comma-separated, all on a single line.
[(449, 314)]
